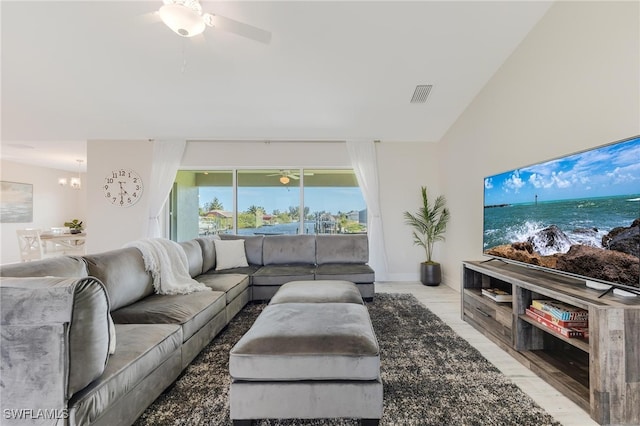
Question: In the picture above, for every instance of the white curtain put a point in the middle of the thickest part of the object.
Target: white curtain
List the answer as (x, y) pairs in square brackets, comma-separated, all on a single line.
[(167, 156), (365, 166)]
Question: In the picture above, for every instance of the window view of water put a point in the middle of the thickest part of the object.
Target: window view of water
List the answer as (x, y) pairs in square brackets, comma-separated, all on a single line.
[(279, 229)]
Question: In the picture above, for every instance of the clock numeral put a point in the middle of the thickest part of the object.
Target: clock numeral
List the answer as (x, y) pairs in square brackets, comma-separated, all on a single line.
[(109, 180), (108, 194), (134, 195)]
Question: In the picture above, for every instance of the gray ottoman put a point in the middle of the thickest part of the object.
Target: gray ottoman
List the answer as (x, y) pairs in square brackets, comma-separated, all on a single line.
[(307, 360), (327, 291)]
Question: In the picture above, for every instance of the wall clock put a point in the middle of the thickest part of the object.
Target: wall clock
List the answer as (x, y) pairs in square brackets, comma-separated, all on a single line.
[(123, 187)]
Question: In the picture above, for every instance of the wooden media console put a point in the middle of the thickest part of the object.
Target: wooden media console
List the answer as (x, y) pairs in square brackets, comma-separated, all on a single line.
[(600, 373)]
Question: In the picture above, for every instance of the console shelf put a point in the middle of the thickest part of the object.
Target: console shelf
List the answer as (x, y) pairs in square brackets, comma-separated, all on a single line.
[(600, 373)]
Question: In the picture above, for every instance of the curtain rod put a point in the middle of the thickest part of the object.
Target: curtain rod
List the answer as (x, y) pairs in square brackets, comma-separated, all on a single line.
[(270, 141)]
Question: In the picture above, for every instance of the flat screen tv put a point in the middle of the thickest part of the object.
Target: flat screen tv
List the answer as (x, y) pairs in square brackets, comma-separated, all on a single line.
[(577, 215)]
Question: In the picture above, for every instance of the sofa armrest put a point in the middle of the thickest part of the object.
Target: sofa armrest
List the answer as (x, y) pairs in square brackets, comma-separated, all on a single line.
[(55, 340)]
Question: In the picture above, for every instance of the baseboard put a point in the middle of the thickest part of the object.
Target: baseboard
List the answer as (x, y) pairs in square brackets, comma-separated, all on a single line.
[(400, 277)]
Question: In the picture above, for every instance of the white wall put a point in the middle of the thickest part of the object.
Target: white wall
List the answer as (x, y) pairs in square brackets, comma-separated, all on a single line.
[(276, 155), (114, 226), (571, 85), (52, 204), (404, 168)]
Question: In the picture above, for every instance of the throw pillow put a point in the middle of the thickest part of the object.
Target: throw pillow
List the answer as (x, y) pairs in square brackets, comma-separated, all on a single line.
[(230, 254)]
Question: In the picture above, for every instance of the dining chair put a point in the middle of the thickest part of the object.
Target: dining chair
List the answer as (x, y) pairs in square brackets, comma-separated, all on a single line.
[(30, 244)]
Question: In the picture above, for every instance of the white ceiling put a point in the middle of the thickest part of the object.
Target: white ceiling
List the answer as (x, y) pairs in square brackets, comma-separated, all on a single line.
[(80, 70)]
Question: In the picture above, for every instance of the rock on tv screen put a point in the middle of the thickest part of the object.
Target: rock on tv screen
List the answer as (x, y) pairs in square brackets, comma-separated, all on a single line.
[(578, 215)]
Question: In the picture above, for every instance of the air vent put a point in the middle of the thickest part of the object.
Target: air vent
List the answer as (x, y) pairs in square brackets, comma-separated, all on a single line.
[(421, 93)]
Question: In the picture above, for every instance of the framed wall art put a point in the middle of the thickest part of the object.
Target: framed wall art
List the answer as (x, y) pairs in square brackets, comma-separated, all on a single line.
[(16, 202)]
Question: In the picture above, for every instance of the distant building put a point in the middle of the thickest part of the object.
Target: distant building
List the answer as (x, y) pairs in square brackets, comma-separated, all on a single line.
[(353, 216), (215, 222), (362, 217), (220, 214)]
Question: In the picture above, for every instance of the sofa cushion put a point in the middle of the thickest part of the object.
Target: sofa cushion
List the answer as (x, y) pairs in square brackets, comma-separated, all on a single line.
[(252, 245), (144, 347), (208, 253), (230, 254), (308, 341), (328, 291), (194, 256), (60, 266), (232, 284), (192, 310), (280, 274), (351, 248), (289, 249), (248, 270), (122, 272), (357, 273)]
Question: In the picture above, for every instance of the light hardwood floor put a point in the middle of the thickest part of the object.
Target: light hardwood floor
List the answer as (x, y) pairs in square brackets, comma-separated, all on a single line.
[(445, 302)]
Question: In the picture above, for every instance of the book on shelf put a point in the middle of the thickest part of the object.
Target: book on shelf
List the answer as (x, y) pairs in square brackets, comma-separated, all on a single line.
[(497, 294), (562, 323), (560, 310), (564, 331), (584, 331)]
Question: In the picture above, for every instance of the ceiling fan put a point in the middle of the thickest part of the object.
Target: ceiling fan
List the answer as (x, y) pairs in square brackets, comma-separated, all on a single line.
[(287, 175), (186, 18)]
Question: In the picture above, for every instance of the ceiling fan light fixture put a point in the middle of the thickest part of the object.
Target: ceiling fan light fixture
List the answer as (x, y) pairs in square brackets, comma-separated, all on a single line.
[(182, 20), (284, 180)]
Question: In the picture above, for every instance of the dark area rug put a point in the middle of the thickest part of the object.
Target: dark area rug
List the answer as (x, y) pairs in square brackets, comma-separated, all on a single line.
[(431, 376)]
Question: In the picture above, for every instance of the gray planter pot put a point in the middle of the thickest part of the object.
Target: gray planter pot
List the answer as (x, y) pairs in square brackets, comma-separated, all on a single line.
[(430, 273)]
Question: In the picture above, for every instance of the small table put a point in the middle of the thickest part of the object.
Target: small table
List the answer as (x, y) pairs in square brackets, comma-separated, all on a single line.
[(69, 242)]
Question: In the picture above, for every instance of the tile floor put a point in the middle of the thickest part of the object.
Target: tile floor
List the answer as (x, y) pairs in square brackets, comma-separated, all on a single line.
[(445, 302)]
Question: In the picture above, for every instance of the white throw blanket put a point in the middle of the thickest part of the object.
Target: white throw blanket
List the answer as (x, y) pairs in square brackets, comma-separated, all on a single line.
[(167, 262)]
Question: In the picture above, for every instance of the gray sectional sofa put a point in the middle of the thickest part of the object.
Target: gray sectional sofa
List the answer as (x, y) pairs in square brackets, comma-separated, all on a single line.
[(56, 328)]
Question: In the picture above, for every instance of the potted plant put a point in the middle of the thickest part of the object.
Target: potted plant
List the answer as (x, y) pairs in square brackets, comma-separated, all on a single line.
[(75, 226), (429, 224)]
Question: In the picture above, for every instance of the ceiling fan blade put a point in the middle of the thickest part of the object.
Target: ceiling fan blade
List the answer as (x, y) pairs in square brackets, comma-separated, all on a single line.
[(238, 28)]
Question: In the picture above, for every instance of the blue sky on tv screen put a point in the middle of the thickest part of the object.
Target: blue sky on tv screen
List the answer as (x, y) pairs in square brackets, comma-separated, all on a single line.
[(606, 171)]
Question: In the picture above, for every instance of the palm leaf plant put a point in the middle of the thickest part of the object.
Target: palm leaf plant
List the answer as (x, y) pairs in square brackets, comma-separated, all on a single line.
[(429, 224)]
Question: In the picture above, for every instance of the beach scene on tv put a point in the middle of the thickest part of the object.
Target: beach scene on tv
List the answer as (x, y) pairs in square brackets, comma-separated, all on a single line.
[(579, 214)]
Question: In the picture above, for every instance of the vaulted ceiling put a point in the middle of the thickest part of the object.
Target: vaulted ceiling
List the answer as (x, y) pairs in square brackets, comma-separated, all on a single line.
[(333, 70)]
